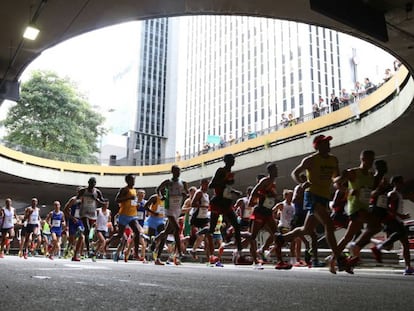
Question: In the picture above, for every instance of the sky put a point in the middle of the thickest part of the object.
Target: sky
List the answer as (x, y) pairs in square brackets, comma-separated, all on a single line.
[(103, 64)]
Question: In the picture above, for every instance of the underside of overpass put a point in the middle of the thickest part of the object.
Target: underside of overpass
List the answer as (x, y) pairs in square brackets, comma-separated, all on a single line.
[(390, 26)]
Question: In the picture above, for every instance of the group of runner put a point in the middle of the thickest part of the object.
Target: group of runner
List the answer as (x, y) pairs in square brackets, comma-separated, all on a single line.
[(193, 219)]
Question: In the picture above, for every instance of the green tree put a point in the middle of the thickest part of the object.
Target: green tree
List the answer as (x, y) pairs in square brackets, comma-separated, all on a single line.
[(53, 116)]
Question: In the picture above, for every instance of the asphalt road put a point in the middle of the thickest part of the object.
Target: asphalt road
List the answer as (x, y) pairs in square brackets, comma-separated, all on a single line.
[(42, 284)]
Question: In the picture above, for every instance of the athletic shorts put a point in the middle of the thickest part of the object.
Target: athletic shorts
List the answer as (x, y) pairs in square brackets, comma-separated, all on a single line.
[(76, 228), (310, 200), (57, 231), (220, 205), (31, 228), (200, 222), (126, 220), (260, 217), (104, 233)]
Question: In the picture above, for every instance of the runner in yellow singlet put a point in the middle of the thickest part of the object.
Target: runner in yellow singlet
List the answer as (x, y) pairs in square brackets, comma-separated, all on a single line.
[(321, 168)]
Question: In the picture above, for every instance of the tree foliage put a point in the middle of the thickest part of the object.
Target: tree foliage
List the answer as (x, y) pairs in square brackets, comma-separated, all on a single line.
[(53, 116)]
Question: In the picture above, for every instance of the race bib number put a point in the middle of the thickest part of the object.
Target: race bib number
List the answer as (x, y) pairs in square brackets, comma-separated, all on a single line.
[(140, 215), (227, 194), (77, 215), (89, 202), (365, 195), (269, 202), (55, 223), (382, 201), (33, 218), (248, 211), (134, 202), (160, 210), (175, 202), (202, 212)]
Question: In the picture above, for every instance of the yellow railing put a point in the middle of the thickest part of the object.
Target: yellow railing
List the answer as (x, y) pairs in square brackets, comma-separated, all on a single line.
[(335, 117)]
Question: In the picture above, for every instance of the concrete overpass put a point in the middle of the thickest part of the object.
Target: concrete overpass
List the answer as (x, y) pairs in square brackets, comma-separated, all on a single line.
[(387, 130), (384, 115)]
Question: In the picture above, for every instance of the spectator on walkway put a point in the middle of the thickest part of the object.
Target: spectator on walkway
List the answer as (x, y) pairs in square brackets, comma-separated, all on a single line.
[(334, 102), (397, 65), (316, 110), (292, 120), (359, 90), (323, 107), (344, 98), (387, 75), (369, 86), (284, 122)]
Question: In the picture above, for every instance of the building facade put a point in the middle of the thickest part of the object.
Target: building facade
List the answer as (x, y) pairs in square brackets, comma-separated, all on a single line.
[(205, 81)]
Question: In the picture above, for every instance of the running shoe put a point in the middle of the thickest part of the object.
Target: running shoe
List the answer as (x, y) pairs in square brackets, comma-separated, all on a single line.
[(1, 255), (308, 256), (177, 261), (219, 264), (300, 263), (115, 256), (94, 258), (158, 262), (258, 266), (409, 271), (317, 264), (343, 265), (50, 257), (25, 255), (282, 265), (213, 259), (20, 254), (76, 259), (377, 254), (262, 255)]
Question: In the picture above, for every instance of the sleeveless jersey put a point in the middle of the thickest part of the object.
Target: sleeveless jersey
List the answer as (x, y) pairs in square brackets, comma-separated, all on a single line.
[(46, 228), (174, 198), (129, 207), (56, 220), (34, 217), (286, 215), (399, 207), (247, 210), (158, 207), (102, 220), (226, 191), (88, 204), (141, 212), (363, 185), (267, 197), (8, 218), (203, 209), (320, 176), (75, 209)]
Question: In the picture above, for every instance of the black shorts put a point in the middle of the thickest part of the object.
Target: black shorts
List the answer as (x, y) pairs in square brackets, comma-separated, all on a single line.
[(200, 222)]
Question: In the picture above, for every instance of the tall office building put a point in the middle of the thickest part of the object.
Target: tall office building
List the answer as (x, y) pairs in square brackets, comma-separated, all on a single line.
[(225, 77), (243, 72), (148, 141)]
